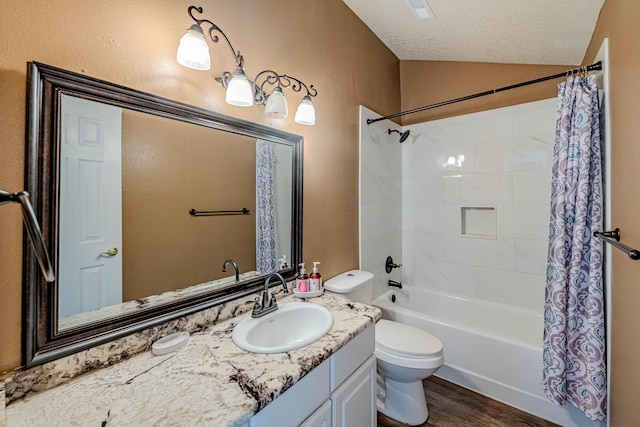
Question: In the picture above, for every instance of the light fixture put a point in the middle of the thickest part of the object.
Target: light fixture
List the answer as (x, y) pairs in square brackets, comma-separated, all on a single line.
[(306, 114), (193, 52), (421, 9), (239, 91), (276, 105)]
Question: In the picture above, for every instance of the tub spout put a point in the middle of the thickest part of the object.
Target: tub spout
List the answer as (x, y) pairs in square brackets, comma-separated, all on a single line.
[(395, 284)]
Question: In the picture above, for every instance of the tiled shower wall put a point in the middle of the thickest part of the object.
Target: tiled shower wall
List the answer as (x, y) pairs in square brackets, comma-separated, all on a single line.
[(500, 161), (380, 198)]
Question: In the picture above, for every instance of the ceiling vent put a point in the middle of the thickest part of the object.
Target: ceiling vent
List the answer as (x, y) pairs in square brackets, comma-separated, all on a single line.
[(421, 9)]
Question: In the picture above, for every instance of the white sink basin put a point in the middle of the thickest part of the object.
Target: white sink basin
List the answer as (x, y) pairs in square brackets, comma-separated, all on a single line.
[(292, 326)]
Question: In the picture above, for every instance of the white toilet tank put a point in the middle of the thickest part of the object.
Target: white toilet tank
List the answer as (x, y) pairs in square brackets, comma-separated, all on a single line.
[(355, 285)]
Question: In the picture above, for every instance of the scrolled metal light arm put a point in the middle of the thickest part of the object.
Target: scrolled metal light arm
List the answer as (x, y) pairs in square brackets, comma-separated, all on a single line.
[(284, 81), (213, 27)]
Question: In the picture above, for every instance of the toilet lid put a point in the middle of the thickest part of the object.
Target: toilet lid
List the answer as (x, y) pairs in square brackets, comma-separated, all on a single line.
[(401, 339)]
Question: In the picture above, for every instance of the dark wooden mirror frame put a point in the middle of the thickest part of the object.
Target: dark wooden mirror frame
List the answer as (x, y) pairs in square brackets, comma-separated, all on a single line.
[(42, 342)]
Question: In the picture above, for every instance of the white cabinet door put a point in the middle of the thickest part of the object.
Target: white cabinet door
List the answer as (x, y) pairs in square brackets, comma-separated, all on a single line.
[(320, 418), (354, 401)]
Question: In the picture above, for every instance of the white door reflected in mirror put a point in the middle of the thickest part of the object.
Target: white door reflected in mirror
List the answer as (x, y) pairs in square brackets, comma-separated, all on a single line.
[(90, 206)]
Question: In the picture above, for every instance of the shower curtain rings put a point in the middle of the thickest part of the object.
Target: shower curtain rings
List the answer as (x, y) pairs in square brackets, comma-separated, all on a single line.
[(582, 73)]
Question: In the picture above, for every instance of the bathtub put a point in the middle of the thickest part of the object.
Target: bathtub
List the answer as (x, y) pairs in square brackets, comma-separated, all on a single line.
[(491, 348)]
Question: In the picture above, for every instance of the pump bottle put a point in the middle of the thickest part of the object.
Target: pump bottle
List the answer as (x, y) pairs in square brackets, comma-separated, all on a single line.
[(302, 279), (315, 280), (283, 263)]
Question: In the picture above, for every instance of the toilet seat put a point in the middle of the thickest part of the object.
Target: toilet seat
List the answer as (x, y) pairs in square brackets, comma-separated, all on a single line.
[(406, 345)]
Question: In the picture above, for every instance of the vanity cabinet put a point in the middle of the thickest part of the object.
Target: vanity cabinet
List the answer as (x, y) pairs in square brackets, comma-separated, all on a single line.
[(321, 417), (353, 403), (340, 392)]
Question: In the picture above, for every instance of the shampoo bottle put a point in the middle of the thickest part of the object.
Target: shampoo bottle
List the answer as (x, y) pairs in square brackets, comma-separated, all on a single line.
[(302, 279), (315, 280)]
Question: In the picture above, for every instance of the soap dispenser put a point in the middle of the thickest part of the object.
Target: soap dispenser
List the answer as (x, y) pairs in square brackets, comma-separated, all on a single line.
[(302, 279), (315, 280)]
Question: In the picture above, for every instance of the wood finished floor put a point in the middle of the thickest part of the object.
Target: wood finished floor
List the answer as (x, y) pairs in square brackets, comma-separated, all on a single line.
[(454, 406)]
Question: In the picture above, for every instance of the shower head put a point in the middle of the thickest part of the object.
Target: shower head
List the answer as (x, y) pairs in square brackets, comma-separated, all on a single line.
[(403, 135)]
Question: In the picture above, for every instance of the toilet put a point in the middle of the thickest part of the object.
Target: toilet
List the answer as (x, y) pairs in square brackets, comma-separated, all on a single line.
[(405, 355)]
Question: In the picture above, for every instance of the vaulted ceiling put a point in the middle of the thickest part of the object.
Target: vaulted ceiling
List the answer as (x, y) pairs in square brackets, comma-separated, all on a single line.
[(503, 31)]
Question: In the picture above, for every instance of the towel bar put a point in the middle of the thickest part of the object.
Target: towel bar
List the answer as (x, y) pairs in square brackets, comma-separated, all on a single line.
[(193, 212), (613, 238)]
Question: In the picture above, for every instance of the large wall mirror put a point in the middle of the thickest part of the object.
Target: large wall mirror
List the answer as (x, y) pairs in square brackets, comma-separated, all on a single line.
[(142, 202)]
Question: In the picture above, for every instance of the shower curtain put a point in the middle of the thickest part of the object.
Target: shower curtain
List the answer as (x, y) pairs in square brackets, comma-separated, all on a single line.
[(574, 353), (266, 211)]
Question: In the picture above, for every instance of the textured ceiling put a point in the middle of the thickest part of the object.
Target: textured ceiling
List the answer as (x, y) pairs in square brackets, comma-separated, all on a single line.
[(505, 31)]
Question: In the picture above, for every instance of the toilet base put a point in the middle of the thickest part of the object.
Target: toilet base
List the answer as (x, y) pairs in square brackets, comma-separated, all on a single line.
[(401, 401)]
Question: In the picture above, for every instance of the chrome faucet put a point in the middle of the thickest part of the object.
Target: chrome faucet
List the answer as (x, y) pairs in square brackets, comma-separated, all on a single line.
[(235, 267), (268, 305)]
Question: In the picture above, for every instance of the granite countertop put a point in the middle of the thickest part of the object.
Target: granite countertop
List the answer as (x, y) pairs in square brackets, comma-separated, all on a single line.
[(209, 382)]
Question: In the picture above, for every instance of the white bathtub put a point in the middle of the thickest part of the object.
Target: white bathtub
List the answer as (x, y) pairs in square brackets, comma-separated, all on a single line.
[(491, 348)]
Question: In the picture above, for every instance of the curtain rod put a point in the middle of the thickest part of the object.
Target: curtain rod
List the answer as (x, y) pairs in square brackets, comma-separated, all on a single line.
[(592, 67)]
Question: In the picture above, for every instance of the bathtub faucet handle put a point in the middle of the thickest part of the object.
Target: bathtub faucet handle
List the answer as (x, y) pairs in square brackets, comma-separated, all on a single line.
[(389, 265), (394, 284)]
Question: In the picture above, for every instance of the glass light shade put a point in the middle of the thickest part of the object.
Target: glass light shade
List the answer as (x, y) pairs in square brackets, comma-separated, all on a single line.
[(276, 106), (239, 91), (193, 51), (306, 114)]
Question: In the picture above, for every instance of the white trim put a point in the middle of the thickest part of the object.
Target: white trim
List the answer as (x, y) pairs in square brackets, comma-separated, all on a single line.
[(603, 86)]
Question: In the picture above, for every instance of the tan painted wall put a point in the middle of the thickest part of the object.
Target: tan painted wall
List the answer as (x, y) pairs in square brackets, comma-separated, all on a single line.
[(133, 43), (430, 82), (619, 22), (165, 248)]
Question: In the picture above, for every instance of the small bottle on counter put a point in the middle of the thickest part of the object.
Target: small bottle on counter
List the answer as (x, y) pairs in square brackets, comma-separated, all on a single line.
[(315, 280), (302, 279), (283, 263)]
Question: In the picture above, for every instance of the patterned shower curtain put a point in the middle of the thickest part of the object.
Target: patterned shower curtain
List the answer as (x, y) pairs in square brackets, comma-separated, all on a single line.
[(266, 256), (574, 352)]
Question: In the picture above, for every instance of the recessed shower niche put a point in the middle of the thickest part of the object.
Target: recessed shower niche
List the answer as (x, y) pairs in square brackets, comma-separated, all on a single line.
[(478, 221)]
